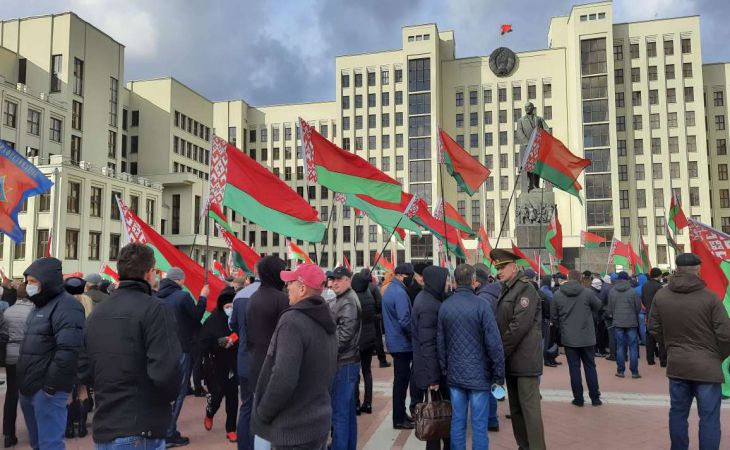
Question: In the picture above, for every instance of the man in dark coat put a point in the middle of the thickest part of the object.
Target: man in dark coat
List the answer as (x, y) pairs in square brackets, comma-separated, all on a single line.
[(572, 311), (134, 353), (624, 306), (360, 284), (47, 366), (426, 369), (648, 291), (254, 319), (519, 316), (378, 297), (188, 314), (470, 356), (694, 327), (93, 281)]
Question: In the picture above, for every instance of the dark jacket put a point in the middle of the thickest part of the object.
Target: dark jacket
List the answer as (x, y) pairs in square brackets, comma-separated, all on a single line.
[(468, 342), (237, 323), (624, 305), (694, 327), (413, 289), (97, 296), (264, 308), (519, 317), (572, 312), (14, 327), (348, 317), (490, 292), (397, 318), (54, 334), (292, 403), (223, 360), (188, 314), (134, 353), (361, 286), (375, 292), (648, 291), (424, 318)]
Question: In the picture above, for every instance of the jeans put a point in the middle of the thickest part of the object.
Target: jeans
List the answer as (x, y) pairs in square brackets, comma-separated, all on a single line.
[(10, 408), (45, 418), (461, 401), (493, 416), (245, 438), (260, 443), (344, 422), (575, 356), (319, 444), (709, 397), (642, 327), (401, 379), (132, 443), (624, 336), (185, 367)]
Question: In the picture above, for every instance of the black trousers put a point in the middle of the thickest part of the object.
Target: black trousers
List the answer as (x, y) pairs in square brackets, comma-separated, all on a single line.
[(366, 359), (601, 336), (197, 363), (224, 387), (379, 348), (10, 408), (401, 379), (653, 348), (584, 355)]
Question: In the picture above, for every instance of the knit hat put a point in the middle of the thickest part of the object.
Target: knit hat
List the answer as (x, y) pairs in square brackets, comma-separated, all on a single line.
[(596, 283), (175, 274), (623, 276)]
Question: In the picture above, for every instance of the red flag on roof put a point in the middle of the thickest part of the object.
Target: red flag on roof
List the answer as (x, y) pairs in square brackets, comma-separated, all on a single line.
[(506, 28)]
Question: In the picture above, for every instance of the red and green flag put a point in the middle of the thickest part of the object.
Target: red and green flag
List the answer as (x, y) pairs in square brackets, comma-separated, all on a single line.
[(244, 257), (346, 263), (341, 171), (468, 172), (442, 230), (713, 248), (677, 219), (386, 214), (620, 254), (524, 261), (108, 273), (454, 219), (240, 183), (552, 161), (297, 253), (215, 212), (643, 260), (634, 259), (554, 236), (591, 240), (168, 256), (484, 245), (670, 238), (383, 263), (219, 270)]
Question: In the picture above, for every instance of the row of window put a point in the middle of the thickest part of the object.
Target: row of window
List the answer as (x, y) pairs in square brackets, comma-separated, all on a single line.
[(669, 73), (189, 150), (656, 146), (10, 119), (192, 126), (657, 171), (372, 100), (651, 49), (547, 114), (371, 77), (658, 193), (670, 95), (263, 133), (72, 245), (547, 92), (95, 205), (182, 168), (655, 121)]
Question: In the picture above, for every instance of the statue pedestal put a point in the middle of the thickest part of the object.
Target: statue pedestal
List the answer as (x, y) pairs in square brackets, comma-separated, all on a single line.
[(533, 212)]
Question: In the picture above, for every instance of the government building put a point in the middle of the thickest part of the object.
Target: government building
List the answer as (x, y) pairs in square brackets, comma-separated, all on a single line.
[(634, 98)]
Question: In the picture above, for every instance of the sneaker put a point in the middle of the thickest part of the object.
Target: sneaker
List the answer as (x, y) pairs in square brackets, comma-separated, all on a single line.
[(208, 422), (619, 374), (596, 402), (10, 441), (176, 441), (635, 375), (577, 403), (384, 364), (232, 436)]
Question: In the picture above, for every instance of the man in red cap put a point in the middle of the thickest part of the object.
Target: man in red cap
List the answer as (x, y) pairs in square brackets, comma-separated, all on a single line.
[(292, 405)]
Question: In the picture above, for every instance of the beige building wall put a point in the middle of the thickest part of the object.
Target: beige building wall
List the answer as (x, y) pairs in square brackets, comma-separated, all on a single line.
[(716, 88)]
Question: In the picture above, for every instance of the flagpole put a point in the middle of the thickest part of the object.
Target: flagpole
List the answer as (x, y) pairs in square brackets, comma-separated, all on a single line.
[(329, 221), (375, 264), (57, 210), (207, 240), (443, 213), (506, 213)]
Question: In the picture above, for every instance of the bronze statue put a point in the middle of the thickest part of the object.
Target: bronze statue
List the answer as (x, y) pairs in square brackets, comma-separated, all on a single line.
[(525, 127)]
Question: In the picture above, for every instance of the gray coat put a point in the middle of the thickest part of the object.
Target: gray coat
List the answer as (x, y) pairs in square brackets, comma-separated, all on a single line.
[(16, 318), (348, 317), (624, 305), (572, 311)]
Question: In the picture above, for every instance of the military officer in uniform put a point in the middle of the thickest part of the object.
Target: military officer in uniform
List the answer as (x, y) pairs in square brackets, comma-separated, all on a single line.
[(519, 318)]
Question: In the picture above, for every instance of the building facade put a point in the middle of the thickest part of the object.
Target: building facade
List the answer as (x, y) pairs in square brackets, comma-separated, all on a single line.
[(627, 96)]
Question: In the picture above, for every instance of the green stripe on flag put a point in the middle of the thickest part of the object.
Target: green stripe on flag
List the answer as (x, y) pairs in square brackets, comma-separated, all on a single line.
[(350, 184), (556, 177), (457, 176)]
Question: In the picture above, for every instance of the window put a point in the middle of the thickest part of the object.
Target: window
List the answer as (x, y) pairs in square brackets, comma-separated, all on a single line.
[(724, 198), (653, 97), (516, 114), (345, 102), (669, 72), (56, 68), (34, 122), (639, 172), (657, 171), (718, 98), (635, 75), (641, 198), (692, 169), (42, 237), (625, 226), (516, 93), (358, 80), (398, 163), (637, 122), (594, 87), (659, 225), (78, 77), (694, 196), (488, 139), (459, 99), (624, 199), (371, 121), (384, 77), (531, 92), (643, 226), (656, 146), (618, 52), (94, 245), (595, 135), (504, 183), (634, 50), (473, 99), (674, 169), (671, 95), (487, 96), (398, 75), (668, 47), (474, 140), (473, 119), (372, 143), (502, 94), (599, 213), (618, 76), (687, 70), (419, 74), (689, 94), (619, 99), (636, 98), (112, 144), (113, 101), (385, 141), (502, 116), (10, 114), (686, 46), (487, 117), (95, 202), (651, 49), (593, 56), (72, 244), (73, 198), (460, 140), (719, 122), (460, 120), (502, 138), (345, 80), (594, 111), (56, 129), (371, 78), (371, 100), (722, 172), (721, 145), (621, 144), (726, 224), (398, 97)]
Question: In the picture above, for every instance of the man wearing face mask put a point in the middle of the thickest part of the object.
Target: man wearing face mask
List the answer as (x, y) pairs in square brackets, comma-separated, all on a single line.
[(131, 341), (49, 353), (519, 317)]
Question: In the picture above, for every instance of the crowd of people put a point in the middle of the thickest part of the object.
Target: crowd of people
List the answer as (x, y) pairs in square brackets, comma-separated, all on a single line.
[(284, 352)]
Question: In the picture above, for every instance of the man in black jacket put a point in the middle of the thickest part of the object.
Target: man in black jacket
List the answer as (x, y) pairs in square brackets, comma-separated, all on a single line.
[(49, 353), (188, 314), (648, 291), (133, 349)]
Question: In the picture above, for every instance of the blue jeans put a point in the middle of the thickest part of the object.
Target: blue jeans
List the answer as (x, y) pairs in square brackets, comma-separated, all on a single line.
[(461, 401), (185, 368), (630, 336), (344, 422), (132, 443), (642, 327), (493, 416), (45, 418), (709, 397), (245, 438)]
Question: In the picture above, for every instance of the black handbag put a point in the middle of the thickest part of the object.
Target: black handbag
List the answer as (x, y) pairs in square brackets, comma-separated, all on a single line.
[(433, 418)]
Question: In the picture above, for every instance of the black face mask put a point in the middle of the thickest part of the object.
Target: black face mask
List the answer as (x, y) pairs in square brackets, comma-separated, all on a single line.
[(407, 281)]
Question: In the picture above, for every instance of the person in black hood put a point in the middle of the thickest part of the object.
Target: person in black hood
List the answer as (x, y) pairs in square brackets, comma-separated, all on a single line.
[(254, 319), (648, 291), (378, 297), (219, 348), (49, 353), (361, 284), (424, 320)]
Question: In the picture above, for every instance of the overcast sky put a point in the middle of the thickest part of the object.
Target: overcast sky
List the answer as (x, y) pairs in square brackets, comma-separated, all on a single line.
[(270, 52)]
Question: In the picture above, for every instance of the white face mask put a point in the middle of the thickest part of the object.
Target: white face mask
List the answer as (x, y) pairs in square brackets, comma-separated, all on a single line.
[(228, 311), (32, 289)]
